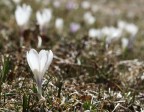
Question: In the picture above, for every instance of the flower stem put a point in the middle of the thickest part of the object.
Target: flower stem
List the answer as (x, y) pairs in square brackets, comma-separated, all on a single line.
[(60, 88)]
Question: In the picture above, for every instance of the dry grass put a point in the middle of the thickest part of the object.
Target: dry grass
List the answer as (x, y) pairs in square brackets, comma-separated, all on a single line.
[(84, 75)]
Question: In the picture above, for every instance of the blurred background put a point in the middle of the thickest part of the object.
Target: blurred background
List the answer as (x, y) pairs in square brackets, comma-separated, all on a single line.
[(119, 24), (98, 54)]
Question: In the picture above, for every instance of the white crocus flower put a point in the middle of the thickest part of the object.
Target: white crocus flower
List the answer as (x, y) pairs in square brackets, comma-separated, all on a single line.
[(95, 33), (132, 29), (85, 5), (43, 17), (16, 1), (124, 42), (89, 18), (22, 14), (111, 33), (39, 63), (128, 27), (59, 24)]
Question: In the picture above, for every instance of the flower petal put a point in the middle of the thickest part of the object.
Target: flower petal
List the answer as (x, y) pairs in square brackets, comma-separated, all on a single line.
[(43, 60), (49, 59), (33, 60), (38, 17)]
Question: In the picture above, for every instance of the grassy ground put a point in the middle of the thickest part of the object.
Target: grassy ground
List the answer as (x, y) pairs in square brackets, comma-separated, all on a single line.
[(85, 76)]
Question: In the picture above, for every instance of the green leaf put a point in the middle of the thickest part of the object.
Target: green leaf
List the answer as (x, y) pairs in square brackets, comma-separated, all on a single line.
[(25, 103), (6, 68)]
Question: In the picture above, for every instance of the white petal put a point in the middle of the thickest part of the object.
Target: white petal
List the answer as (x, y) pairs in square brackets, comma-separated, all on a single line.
[(49, 61), (28, 60), (38, 17), (43, 60), (33, 60)]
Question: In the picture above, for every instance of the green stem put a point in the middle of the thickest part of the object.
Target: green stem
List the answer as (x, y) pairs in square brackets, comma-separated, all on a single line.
[(60, 88)]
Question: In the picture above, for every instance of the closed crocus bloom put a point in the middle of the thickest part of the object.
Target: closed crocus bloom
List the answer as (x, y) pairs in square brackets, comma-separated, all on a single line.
[(43, 17), (22, 14), (39, 63), (125, 43)]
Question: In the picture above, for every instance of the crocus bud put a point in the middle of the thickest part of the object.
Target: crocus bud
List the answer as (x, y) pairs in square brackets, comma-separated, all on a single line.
[(59, 24), (39, 63), (125, 43), (128, 27)]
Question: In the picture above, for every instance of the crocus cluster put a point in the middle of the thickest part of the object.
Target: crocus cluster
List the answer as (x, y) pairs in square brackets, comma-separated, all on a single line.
[(39, 63), (23, 13), (131, 28), (43, 17), (111, 33)]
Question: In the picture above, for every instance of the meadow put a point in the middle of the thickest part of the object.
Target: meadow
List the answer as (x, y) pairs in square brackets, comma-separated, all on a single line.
[(94, 49)]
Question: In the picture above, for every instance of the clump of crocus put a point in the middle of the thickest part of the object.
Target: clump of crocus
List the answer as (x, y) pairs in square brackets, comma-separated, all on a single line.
[(39, 63), (95, 33), (131, 28), (111, 33)]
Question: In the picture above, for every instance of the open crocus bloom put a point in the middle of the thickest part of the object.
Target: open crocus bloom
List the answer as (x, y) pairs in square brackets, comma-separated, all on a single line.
[(39, 63), (22, 14)]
